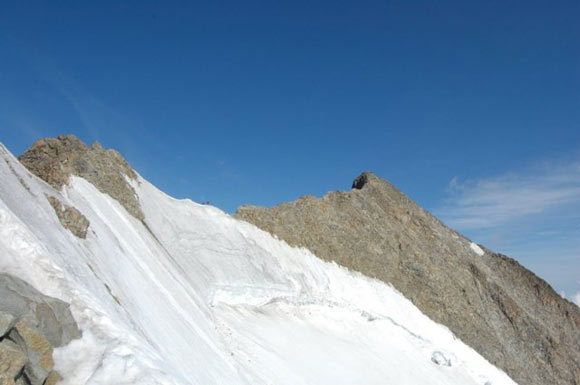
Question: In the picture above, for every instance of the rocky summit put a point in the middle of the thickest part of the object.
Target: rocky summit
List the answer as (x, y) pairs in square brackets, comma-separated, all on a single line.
[(54, 160), (505, 312), (190, 295)]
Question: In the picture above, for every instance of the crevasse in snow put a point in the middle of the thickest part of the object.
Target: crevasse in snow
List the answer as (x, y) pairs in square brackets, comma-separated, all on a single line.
[(198, 297)]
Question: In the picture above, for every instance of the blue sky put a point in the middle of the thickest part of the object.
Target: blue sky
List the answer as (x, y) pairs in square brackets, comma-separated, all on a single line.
[(471, 108)]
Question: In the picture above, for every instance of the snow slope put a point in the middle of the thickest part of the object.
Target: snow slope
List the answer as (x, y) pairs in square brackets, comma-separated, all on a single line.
[(198, 297)]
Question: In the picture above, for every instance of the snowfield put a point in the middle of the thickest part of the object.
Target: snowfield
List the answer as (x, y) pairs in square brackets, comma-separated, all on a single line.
[(198, 297)]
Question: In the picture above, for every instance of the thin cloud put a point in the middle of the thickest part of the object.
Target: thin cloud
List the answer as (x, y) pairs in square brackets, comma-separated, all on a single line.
[(96, 115), (99, 118), (532, 215), (487, 203)]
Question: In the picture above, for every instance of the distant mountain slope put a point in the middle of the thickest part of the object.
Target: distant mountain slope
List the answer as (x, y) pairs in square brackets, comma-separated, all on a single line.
[(185, 294), (504, 311)]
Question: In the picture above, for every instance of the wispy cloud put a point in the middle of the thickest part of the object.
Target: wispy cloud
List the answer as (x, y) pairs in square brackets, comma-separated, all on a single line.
[(532, 214), (22, 123), (486, 203), (99, 119), (97, 116)]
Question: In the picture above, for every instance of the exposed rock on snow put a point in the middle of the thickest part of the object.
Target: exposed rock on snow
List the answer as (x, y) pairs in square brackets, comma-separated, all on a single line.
[(194, 296), (70, 217), (31, 326), (508, 314), (55, 160)]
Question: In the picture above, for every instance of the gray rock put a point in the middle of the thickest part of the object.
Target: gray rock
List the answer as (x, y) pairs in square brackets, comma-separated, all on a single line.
[(505, 312), (55, 160), (38, 351), (12, 360), (35, 325), (7, 321), (50, 315), (69, 217)]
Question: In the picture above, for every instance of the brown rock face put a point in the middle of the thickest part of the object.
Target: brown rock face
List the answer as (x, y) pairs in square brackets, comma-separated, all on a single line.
[(55, 160), (38, 351), (70, 217), (505, 312), (12, 361)]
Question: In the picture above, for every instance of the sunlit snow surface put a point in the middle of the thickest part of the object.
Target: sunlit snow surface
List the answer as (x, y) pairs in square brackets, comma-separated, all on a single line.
[(197, 297)]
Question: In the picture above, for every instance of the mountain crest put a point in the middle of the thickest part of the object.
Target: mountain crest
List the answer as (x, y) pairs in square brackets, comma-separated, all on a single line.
[(364, 179), (502, 310), (55, 160)]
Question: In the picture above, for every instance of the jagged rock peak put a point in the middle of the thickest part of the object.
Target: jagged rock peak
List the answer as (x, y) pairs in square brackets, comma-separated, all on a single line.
[(364, 179), (505, 312), (55, 159), (368, 180)]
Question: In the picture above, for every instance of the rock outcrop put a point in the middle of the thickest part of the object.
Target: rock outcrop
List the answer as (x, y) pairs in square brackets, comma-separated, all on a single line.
[(31, 326), (70, 218), (505, 312), (55, 159)]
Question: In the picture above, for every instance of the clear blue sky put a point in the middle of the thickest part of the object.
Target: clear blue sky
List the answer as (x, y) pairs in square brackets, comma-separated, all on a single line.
[(466, 106)]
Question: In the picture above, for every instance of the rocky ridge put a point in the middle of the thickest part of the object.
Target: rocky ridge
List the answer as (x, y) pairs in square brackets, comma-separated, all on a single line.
[(31, 326), (55, 159), (509, 315), (504, 311)]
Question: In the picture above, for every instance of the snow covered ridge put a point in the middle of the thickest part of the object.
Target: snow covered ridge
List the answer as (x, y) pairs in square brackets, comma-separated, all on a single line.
[(198, 297)]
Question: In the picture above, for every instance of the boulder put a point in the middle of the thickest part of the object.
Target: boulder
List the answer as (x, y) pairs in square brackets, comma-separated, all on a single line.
[(31, 326)]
